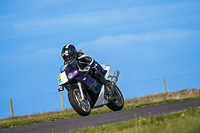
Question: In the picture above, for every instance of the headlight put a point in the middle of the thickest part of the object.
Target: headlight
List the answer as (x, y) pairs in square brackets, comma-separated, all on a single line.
[(70, 75)]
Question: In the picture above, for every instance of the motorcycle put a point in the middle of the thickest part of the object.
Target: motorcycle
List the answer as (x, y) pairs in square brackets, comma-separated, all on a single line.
[(85, 93)]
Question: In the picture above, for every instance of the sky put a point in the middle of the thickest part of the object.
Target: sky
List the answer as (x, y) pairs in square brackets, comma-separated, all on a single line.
[(142, 39)]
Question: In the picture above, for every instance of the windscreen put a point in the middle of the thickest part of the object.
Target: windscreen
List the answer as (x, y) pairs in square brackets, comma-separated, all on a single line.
[(67, 64)]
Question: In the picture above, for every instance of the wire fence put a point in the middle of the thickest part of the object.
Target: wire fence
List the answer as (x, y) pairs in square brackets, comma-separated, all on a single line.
[(52, 102)]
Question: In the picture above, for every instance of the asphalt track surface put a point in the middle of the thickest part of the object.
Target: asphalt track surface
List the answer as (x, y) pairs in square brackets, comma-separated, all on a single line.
[(103, 119)]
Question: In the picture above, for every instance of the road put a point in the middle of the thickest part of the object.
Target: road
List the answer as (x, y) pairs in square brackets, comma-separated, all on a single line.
[(103, 119)]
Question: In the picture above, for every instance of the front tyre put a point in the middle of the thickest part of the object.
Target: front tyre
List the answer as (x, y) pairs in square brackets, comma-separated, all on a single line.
[(118, 102), (82, 107)]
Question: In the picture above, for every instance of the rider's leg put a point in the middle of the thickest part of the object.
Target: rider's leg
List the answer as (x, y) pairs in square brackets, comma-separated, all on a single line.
[(96, 72), (108, 87)]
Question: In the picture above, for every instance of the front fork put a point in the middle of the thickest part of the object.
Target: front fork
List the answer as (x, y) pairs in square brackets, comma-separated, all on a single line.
[(81, 90)]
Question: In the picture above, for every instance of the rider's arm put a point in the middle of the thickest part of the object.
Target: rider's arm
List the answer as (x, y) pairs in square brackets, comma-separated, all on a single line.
[(85, 62)]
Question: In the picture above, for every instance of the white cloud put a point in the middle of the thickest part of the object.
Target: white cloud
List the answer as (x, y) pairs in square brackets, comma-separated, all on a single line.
[(153, 45), (165, 35), (150, 46), (136, 16)]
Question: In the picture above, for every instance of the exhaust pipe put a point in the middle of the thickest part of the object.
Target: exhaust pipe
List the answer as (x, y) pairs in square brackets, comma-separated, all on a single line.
[(115, 76)]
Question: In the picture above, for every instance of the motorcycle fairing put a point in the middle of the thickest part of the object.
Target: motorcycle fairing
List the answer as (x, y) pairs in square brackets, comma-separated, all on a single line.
[(94, 93), (101, 100), (86, 79), (96, 88), (62, 78), (69, 68), (98, 97), (106, 70)]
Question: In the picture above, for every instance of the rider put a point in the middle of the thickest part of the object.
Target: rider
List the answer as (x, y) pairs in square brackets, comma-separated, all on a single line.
[(86, 64)]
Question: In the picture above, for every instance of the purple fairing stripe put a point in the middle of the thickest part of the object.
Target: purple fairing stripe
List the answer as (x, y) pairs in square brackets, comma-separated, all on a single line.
[(86, 79), (91, 79), (75, 73)]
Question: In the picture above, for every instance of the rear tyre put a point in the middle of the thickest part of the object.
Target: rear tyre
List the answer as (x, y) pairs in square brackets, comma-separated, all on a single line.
[(118, 102), (82, 107)]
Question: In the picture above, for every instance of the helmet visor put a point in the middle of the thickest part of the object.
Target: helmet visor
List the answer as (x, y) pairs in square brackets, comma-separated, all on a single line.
[(68, 58)]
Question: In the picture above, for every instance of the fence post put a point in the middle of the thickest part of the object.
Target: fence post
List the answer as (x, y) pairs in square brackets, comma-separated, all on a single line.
[(164, 85), (61, 95), (11, 108)]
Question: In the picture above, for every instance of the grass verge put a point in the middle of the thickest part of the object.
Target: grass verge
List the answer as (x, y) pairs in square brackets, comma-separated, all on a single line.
[(187, 121), (21, 122)]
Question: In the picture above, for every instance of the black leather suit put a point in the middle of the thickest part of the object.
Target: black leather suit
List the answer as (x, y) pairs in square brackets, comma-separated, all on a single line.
[(87, 64)]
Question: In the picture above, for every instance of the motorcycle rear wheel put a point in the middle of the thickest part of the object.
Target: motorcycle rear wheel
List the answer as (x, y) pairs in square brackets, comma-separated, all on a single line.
[(82, 107), (118, 102)]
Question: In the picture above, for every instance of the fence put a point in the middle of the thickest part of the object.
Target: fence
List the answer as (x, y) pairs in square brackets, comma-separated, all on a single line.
[(56, 101)]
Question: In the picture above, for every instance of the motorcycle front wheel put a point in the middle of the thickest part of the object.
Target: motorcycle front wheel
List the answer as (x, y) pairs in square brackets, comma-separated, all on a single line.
[(118, 102), (82, 107)]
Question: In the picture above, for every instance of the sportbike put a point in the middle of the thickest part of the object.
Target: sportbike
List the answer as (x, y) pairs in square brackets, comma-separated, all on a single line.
[(85, 93)]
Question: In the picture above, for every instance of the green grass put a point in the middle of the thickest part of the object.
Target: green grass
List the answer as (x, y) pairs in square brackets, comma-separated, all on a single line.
[(160, 97), (21, 122), (187, 121), (129, 104)]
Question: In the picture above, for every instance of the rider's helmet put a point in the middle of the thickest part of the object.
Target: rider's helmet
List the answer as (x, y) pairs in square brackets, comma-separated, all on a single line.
[(69, 53)]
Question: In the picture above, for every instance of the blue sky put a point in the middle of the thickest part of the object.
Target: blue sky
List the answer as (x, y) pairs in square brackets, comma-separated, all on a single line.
[(143, 39)]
